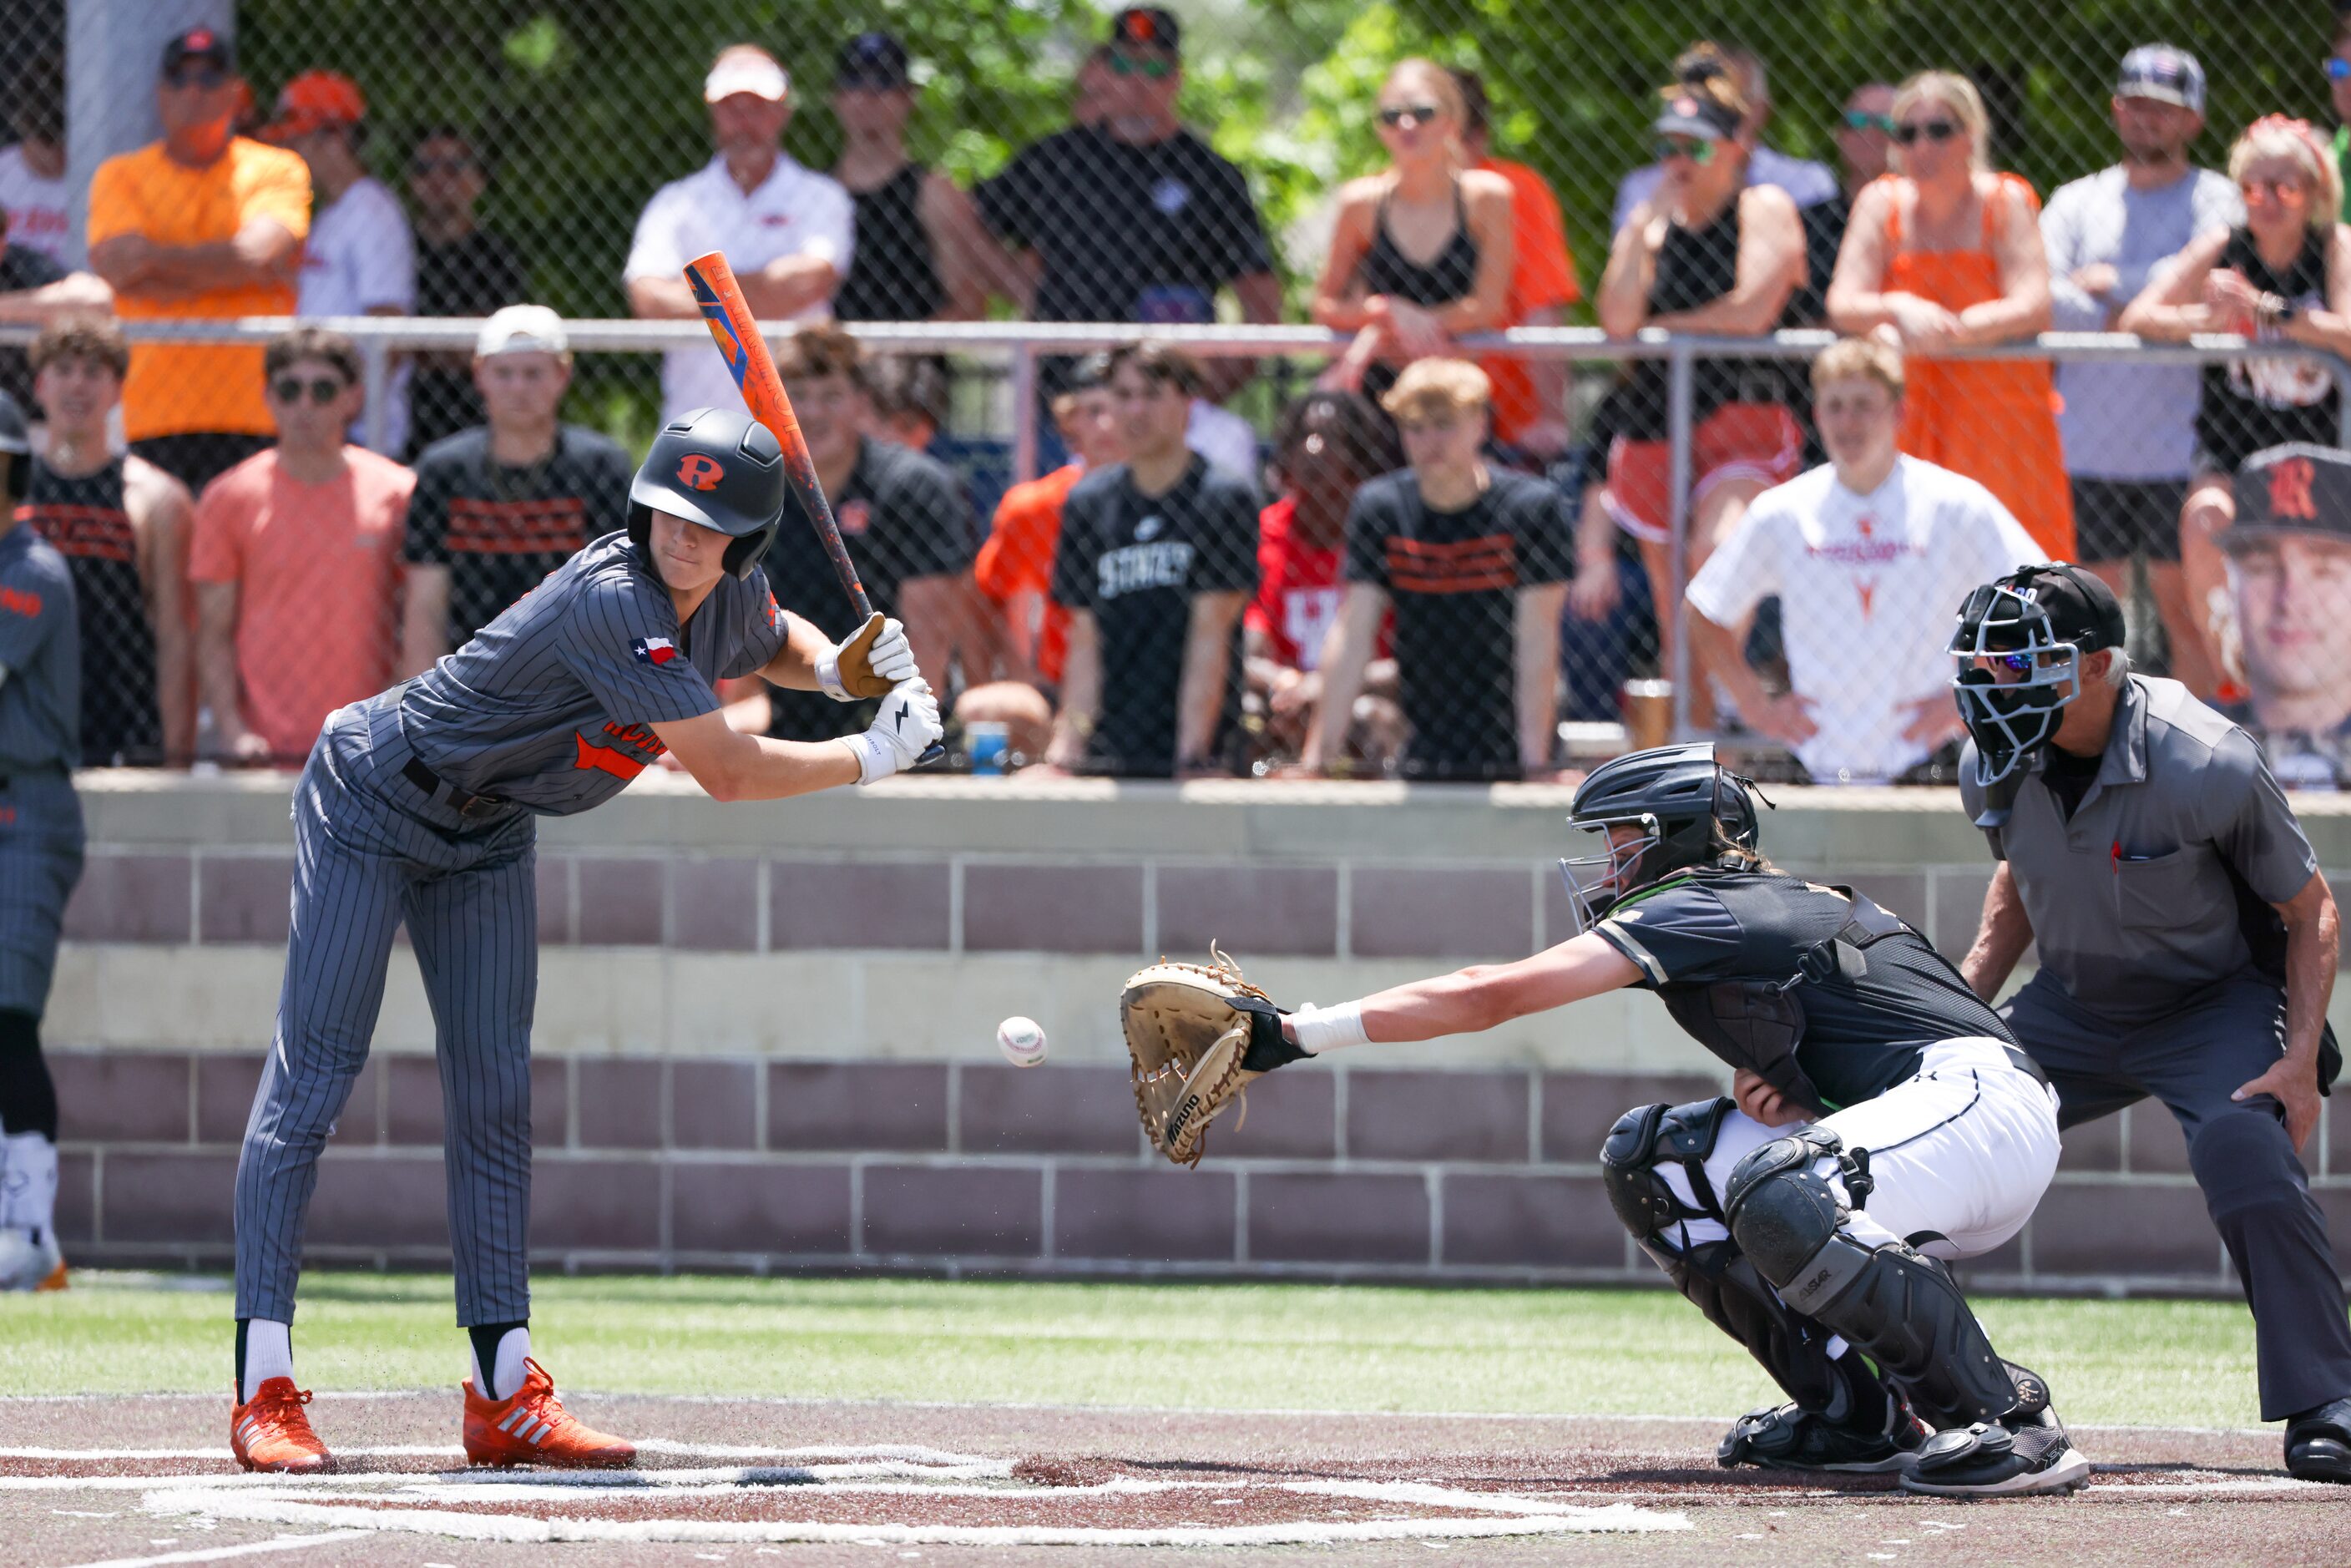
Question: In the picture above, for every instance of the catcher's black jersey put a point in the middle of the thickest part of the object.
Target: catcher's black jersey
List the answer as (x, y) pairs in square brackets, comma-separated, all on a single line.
[(1861, 1037)]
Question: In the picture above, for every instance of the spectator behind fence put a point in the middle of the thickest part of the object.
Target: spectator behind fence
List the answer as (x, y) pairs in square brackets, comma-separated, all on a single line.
[(1157, 558), (1865, 139), (296, 563), (906, 522), (2283, 274), (34, 292), (1807, 183), (908, 394), (1329, 444), (2339, 91), (498, 507), (2129, 429), (1707, 251), (121, 523), (1871, 553), (1422, 251), (2290, 588), (787, 232), (360, 259), (1945, 253), (1474, 561), (1015, 568), (1137, 220), (204, 224), (1529, 395), (32, 189), (462, 269)]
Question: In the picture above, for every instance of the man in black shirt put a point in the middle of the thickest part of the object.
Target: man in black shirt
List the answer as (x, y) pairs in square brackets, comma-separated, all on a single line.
[(1137, 219), (1157, 558), (1885, 1121), (905, 521), (462, 269), (35, 291), (1476, 560), (498, 507)]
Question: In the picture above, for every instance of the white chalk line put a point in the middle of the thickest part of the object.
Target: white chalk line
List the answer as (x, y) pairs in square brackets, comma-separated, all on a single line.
[(220, 1553), (907, 1453), (823, 1466)]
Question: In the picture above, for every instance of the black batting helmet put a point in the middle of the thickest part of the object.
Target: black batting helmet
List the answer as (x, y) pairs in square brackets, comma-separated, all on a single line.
[(1687, 806), (718, 467)]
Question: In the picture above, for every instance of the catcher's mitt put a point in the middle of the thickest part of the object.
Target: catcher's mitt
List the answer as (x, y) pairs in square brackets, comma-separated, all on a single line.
[(1198, 1035)]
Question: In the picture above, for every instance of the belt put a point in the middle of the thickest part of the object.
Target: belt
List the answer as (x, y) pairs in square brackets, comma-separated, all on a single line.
[(445, 793), (2026, 1065)]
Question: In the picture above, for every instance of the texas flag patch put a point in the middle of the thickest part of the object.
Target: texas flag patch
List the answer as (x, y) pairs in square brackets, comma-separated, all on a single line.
[(654, 649)]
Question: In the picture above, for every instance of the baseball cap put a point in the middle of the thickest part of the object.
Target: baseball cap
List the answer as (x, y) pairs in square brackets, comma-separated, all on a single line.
[(2082, 610), (198, 44), (315, 99), (871, 59), (1687, 114), (2299, 489), (522, 330), (745, 67), (2162, 73), (1147, 27)]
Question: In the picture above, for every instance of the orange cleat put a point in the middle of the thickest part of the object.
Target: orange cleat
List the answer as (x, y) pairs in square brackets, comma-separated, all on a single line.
[(56, 1279), (533, 1428), (273, 1434)]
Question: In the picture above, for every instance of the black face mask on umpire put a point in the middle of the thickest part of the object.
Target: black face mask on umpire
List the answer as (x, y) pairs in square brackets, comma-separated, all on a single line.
[(2020, 645), (1687, 810)]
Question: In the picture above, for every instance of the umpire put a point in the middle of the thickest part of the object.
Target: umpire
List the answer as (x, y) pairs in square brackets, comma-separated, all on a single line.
[(2187, 941)]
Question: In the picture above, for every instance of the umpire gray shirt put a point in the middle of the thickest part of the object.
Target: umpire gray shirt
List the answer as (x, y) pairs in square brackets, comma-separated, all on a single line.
[(2133, 901)]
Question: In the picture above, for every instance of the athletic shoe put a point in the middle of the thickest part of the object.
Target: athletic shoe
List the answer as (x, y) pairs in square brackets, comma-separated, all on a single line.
[(533, 1428), (2024, 1453), (29, 1260), (2318, 1443), (271, 1432), (1791, 1438)]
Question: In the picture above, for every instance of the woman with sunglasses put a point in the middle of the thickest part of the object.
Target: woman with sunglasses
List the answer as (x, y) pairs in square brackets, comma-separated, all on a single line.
[(1945, 254), (1707, 253), (2284, 273), (1421, 250)]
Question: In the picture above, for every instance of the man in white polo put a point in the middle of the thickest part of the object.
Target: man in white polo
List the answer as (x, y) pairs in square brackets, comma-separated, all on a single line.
[(1871, 555), (787, 230)]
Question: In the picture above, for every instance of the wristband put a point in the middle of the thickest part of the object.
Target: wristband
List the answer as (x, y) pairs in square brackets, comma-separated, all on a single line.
[(1326, 1028), (875, 756), (828, 675)]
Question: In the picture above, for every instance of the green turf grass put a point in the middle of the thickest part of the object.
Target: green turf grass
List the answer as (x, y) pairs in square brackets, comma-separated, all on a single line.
[(1237, 1347)]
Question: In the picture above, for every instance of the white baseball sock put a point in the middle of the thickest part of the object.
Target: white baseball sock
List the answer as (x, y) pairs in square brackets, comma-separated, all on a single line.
[(269, 1353), (506, 1370), (28, 1183)]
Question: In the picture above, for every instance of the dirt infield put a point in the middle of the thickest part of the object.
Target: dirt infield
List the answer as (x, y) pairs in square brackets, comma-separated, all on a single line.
[(144, 1481)]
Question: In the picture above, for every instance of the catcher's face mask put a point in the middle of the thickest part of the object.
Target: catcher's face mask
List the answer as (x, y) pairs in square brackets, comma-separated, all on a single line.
[(2014, 679), (1616, 866)]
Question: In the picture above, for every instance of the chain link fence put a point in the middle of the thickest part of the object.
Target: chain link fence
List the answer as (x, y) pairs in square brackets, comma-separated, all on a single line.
[(964, 184)]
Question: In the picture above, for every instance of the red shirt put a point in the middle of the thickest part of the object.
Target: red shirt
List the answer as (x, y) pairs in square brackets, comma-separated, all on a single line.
[(1298, 590), (1018, 560)]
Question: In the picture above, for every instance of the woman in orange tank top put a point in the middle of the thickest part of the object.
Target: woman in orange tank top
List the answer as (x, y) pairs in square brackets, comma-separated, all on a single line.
[(1946, 254)]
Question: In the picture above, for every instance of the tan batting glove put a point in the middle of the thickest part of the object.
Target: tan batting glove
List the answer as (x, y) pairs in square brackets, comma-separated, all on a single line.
[(868, 664)]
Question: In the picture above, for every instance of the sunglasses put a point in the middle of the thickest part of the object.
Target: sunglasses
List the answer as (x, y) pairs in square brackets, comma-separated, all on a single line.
[(323, 390), (1690, 147), (1933, 130), (195, 76), (1156, 67), (1854, 120), (1408, 114), (2290, 190), (439, 165), (2337, 68)]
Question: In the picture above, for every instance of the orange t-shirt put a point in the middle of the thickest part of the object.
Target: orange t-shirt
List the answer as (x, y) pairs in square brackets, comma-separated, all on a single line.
[(174, 388), (1542, 278), (317, 574), (1018, 558)]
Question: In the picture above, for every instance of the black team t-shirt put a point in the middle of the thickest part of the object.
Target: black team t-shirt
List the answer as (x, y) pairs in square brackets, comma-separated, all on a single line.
[(1453, 577), (903, 515), (1136, 562), (476, 274), (499, 530)]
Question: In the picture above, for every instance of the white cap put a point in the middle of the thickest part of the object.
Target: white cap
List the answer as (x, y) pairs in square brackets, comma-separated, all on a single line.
[(522, 330), (746, 68)]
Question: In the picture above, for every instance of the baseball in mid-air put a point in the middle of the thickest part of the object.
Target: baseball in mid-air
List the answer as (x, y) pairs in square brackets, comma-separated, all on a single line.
[(1021, 1041)]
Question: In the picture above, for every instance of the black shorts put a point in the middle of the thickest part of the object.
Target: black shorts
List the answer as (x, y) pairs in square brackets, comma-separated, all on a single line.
[(2114, 519)]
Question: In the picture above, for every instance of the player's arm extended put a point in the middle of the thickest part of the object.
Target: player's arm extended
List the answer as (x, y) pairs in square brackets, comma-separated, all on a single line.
[(1485, 995), (794, 665), (732, 766), (2001, 939)]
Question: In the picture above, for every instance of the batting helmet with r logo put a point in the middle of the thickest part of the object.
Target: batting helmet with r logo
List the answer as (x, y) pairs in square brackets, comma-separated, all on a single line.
[(718, 468)]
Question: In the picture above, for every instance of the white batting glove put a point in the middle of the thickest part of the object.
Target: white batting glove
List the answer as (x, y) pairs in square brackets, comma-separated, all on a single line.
[(877, 662), (904, 729)]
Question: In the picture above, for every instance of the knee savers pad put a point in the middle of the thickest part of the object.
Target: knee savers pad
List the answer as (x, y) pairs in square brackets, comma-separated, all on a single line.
[(1780, 1210), (1648, 1136)]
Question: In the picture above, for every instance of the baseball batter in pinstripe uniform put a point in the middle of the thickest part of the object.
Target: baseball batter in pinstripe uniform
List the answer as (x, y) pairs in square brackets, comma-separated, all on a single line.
[(40, 861), (419, 805)]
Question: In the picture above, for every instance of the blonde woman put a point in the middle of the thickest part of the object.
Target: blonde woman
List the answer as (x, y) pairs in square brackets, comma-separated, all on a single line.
[(1945, 253), (1421, 249), (2284, 273)]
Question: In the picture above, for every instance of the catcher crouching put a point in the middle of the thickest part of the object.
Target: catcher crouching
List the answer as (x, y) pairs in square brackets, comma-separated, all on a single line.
[(1882, 1121)]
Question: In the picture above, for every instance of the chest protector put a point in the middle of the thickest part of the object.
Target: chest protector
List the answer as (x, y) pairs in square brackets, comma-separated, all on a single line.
[(1758, 1024)]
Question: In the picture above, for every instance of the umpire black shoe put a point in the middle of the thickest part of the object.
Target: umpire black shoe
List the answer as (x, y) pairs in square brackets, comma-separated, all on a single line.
[(1791, 1438), (2024, 1453), (2318, 1443)]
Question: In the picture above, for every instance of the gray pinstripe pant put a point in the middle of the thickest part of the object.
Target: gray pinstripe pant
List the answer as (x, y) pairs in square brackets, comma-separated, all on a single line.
[(370, 851), (40, 861)]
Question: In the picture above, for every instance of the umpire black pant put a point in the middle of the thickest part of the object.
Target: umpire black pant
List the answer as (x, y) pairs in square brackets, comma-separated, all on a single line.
[(2192, 1060)]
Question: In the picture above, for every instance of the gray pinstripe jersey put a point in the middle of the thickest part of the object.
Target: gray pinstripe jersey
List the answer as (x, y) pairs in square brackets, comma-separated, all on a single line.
[(40, 648), (550, 704)]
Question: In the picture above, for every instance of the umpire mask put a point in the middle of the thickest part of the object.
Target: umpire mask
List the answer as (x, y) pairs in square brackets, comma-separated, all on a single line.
[(2020, 645), (1654, 812)]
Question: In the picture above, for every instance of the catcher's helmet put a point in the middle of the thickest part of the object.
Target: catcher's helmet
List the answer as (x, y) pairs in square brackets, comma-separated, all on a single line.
[(718, 467), (2019, 647), (1687, 805), (16, 442)]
